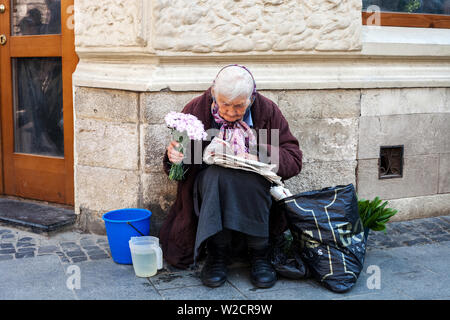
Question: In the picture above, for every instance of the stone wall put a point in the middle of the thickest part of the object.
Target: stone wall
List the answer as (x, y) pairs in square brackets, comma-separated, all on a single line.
[(419, 119), (120, 139), (345, 90)]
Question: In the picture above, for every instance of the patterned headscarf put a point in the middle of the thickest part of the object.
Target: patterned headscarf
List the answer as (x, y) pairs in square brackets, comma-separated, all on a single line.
[(237, 133)]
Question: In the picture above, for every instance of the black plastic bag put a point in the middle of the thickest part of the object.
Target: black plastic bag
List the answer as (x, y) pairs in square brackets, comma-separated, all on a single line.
[(326, 225), (285, 258)]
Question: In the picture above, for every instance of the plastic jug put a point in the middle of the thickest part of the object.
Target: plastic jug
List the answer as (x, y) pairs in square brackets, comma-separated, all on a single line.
[(144, 254), (159, 253)]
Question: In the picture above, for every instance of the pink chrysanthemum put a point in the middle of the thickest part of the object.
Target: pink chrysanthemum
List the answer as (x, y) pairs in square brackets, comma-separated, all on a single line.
[(183, 126), (184, 122)]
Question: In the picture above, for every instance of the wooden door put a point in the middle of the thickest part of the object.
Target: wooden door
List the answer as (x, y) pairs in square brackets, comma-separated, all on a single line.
[(37, 62)]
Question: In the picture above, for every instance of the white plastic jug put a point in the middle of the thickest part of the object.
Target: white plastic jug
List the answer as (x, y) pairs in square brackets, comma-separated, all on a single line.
[(144, 254), (159, 253)]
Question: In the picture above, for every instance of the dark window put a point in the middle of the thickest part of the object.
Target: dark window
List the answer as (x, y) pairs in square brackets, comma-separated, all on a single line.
[(390, 164)]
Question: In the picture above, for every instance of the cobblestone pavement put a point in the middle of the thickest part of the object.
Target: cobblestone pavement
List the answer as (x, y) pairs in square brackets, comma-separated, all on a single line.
[(412, 259), (412, 232), (73, 247), (70, 247)]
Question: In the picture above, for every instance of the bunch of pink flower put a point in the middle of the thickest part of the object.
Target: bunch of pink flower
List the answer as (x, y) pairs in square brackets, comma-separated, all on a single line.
[(184, 122), (184, 126)]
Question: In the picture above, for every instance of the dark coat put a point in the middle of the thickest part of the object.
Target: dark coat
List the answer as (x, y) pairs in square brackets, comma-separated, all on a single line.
[(177, 234)]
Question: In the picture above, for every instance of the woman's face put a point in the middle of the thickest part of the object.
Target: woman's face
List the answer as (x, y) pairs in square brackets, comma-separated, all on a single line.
[(232, 110)]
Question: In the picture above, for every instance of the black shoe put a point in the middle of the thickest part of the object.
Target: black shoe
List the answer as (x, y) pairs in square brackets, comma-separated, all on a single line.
[(262, 274), (214, 272)]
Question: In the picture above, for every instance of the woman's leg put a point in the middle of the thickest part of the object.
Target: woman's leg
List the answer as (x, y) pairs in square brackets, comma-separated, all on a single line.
[(257, 243), (214, 272), (237, 200), (222, 238), (231, 199), (262, 274)]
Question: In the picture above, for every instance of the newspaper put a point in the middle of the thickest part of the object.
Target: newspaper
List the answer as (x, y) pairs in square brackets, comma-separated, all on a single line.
[(219, 152)]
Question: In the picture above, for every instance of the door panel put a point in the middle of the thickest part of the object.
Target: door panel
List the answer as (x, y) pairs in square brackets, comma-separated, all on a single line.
[(37, 61), (38, 113), (35, 17)]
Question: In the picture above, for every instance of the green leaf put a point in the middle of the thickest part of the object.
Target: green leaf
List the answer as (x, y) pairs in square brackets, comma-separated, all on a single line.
[(387, 214), (368, 217), (382, 221), (377, 227), (362, 209), (376, 202), (374, 214), (381, 208)]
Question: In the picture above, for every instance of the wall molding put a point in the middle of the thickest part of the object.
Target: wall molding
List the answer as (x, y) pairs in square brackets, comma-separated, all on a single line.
[(391, 57)]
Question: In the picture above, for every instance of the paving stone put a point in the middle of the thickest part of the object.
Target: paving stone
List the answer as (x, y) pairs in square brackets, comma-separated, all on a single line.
[(26, 249), (26, 239), (7, 251), (3, 231), (441, 238), (40, 278), (24, 244), (224, 292), (108, 280), (87, 245), (8, 236), (69, 245), (416, 241), (90, 248), (398, 228), (163, 281), (428, 256), (48, 249), (6, 246), (72, 254), (399, 239), (428, 224), (6, 257), (64, 260), (377, 295), (445, 218), (315, 292), (389, 244), (20, 255), (99, 257), (79, 259), (402, 271), (240, 279), (444, 223), (95, 252)]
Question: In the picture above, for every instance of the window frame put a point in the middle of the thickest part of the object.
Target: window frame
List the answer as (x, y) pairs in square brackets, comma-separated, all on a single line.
[(417, 20)]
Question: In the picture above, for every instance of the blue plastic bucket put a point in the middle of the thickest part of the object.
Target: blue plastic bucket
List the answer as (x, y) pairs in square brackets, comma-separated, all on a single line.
[(120, 226)]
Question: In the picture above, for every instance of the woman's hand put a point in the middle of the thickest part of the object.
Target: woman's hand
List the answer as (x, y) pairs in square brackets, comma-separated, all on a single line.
[(173, 154)]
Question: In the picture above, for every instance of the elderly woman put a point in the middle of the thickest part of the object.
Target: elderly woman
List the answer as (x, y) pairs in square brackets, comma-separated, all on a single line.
[(218, 208)]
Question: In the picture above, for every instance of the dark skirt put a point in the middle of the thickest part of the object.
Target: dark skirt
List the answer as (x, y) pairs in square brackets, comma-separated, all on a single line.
[(234, 199)]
